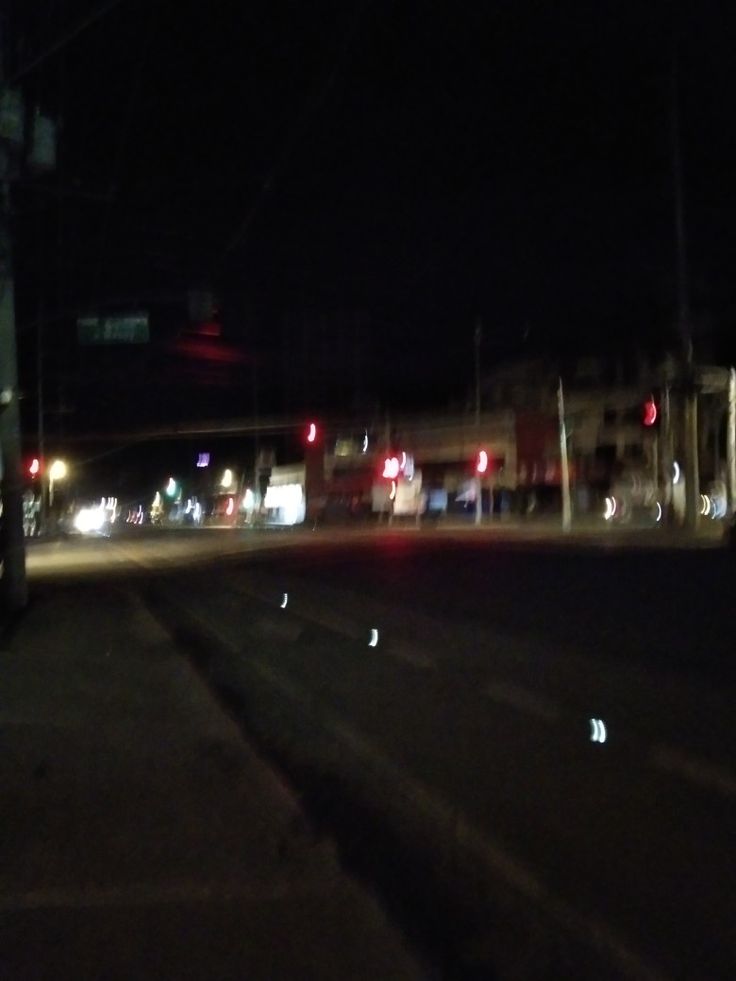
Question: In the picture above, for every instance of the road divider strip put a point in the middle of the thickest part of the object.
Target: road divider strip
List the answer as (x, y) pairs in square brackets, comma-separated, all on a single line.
[(524, 700), (694, 769)]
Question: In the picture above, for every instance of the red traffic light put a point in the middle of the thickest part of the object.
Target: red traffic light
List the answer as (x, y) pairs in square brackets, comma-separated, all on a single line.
[(34, 467), (312, 432), (391, 467), (481, 463), (650, 412)]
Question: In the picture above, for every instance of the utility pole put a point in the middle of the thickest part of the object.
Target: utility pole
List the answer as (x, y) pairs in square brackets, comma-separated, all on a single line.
[(12, 544), (731, 443), (12, 549), (690, 394), (564, 466)]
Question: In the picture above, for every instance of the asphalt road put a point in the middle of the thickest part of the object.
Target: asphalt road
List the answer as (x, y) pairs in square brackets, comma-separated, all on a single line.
[(562, 713)]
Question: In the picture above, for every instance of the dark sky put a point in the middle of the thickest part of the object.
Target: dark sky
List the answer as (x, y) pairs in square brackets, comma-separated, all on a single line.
[(420, 163)]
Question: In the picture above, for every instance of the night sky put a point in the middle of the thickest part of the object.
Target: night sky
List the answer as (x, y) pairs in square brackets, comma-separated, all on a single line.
[(406, 167)]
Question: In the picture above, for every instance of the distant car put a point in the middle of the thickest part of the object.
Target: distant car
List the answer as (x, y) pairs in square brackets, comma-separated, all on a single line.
[(90, 520)]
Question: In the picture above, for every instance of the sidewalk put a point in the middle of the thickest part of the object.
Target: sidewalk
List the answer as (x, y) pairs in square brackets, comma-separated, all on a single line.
[(141, 836)]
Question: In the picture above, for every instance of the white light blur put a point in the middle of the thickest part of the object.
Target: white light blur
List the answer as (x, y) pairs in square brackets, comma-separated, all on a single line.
[(704, 505), (402, 464), (197, 515), (365, 443), (392, 495), (284, 601), (598, 733), (373, 642), (249, 500), (171, 487), (227, 478), (610, 509), (203, 460), (659, 512), (676, 472), (89, 519), (288, 501), (230, 506), (58, 470)]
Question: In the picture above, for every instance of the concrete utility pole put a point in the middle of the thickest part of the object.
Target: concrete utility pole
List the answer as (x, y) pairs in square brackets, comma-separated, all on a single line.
[(12, 544), (12, 548), (565, 469), (731, 442), (690, 394)]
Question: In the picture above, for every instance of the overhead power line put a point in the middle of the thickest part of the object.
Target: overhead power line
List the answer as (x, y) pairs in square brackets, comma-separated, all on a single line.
[(65, 39), (310, 108)]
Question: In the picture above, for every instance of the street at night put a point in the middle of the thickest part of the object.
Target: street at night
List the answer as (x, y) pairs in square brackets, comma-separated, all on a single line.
[(367, 491)]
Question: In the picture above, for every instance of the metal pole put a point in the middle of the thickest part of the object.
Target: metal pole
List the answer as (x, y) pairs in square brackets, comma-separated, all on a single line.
[(731, 442), (478, 479), (667, 457), (655, 465), (566, 506)]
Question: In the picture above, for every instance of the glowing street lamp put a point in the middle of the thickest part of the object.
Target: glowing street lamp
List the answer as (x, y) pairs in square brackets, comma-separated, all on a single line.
[(57, 471)]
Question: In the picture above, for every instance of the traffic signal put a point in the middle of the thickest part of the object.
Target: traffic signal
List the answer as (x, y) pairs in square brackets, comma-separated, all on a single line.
[(481, 462), (650, 412), (34, 467), (391, 467), (312, 433)]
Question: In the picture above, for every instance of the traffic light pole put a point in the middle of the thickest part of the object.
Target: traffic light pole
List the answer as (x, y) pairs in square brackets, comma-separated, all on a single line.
[(12, 547), (564, 466), (478, 480)]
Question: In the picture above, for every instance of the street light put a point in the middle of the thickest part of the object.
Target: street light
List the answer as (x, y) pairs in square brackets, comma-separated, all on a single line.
[(57, 471)]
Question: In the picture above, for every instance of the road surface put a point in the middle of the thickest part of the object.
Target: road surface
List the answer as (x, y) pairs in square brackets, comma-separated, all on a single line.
[(542, 728)]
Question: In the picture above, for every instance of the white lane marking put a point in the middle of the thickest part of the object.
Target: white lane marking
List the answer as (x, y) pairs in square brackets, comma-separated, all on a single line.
[(523, 700), (597, 731), (339, 623), (696, 770)]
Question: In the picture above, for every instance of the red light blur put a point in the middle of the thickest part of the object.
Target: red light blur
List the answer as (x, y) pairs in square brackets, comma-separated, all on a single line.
[(312, 433), (650, 412), (482, 463)]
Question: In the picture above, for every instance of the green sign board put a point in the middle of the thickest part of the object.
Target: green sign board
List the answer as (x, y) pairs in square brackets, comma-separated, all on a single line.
[(131, 328)]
